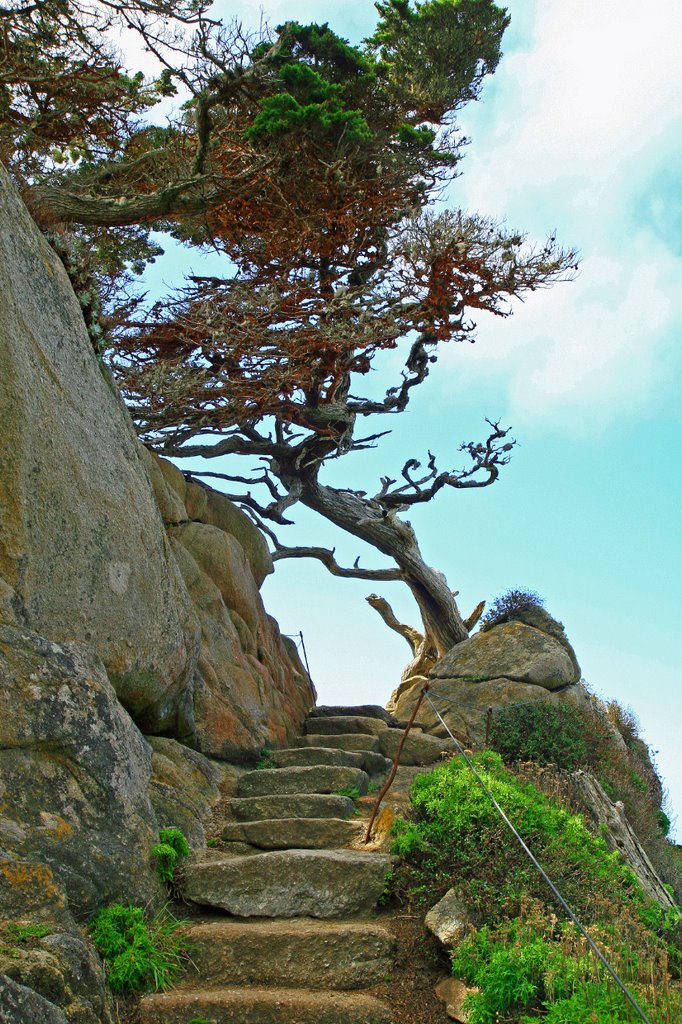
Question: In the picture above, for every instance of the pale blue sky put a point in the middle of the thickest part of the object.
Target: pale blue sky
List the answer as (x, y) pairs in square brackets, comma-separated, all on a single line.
[(579, 130)]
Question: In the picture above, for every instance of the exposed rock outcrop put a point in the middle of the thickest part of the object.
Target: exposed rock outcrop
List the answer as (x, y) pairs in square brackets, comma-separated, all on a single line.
[(249, 689), (74, 774), (83, 555), (511, 662), (185, 786)]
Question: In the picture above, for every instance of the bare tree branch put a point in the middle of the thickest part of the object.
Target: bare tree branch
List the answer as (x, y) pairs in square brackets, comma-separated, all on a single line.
[(414, 638), (326, 556)]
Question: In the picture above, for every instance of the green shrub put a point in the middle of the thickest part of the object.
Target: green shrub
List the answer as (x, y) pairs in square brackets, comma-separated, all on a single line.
[(530, 966), (542, 732), (459, 837), (171, 848), (139, 955), (509, 604)]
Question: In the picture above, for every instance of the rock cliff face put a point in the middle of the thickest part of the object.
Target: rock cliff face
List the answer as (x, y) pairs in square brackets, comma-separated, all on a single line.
[(248, 690), (174, 614), (129, 604)]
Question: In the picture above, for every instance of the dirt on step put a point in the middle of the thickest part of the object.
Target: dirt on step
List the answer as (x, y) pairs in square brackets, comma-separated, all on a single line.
[(418, 967)]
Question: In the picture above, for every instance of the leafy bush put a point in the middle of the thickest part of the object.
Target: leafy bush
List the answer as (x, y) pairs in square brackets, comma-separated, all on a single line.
[(139, 955), (171, 848), (542, 732), (508, 605)]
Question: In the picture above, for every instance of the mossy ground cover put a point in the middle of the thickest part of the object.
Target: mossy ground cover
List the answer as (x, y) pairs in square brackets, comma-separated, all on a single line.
[(527, 960)]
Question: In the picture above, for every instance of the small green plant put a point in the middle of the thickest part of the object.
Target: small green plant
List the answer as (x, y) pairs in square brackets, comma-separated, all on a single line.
[(171, 848), (212, 842), (350, 791), (265, 760), (139, 955), (508, 605)]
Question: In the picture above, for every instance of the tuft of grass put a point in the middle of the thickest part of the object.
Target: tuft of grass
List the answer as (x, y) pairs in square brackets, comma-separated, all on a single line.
[(140, 955)]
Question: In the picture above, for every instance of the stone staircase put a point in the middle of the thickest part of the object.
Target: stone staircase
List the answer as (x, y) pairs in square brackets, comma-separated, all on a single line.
[(302, 943)]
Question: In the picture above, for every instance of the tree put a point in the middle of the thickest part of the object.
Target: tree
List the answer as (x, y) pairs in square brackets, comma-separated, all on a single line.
[(311, 166)]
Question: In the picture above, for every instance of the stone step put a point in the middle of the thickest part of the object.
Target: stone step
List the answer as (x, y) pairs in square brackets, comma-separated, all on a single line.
[(370, 761), (290, 883), (263, 1006), (286, 781), (304, 757), (363, 710), (303, 805), (294, 833), (419, 748), (341, 724), (347, 741), (292, 953)]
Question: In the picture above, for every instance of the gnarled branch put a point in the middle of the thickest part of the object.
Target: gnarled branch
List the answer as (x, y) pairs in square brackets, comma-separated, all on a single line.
[(326, 556)]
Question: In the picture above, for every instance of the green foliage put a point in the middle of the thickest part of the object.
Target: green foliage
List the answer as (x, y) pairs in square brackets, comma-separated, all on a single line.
[(517, 970), (508, 605), (664, 822), (529, 962), (458, 833), (309, 103), (264, 760), (175, 838), (419, 137), (165, 857), (350, 791), (171, 848), (542, 732), (27, 932), (434, 55), (140, 955)]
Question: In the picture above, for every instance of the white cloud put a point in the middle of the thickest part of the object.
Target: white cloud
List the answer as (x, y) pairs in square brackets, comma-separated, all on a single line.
[(596, 101)]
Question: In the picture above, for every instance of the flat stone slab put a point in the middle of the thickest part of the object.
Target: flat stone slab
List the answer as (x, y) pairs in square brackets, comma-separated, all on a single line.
[(419, 749), (293, 833), (290, 883), (303, 805), (363, 710), (347, 741), (263, 1006), (319, 779), (369, 760), (303, 757), (292, 953), (337, 726)]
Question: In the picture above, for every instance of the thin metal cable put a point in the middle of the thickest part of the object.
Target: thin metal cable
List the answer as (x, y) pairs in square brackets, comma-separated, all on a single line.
[(595, 949)]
